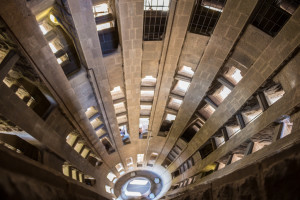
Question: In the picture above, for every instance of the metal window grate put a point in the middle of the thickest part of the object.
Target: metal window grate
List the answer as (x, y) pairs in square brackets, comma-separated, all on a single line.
[(205, 16), (271, 15), (155, 19)]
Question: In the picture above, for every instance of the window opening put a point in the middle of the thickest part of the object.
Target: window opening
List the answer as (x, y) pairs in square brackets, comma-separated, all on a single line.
[(270, 17), (100, 10), (119, 167), (233, 75), (186, 71), (111, 176), (103, 26), (205, 16), (140, 158), (155, 19), (148, 81), (143, 128)]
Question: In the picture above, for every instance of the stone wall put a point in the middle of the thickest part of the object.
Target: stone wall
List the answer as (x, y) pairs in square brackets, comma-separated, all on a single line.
[(275, 177), (22, 178)]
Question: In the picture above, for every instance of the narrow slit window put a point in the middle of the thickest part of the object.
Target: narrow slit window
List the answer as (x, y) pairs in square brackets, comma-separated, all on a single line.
[(129, 161), (175, 103), (117, 93), (111, 176), (170, 117), (108, 189), (186, 71), (148, 81), (103, 26), (120, 107), (62, 59), (119, 167), (122, 119), (207, 111), (140, 158), (100, 10), (233, 75), (181, 87)]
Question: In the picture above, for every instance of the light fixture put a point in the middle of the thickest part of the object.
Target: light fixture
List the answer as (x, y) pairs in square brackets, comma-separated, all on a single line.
[(53, 18)]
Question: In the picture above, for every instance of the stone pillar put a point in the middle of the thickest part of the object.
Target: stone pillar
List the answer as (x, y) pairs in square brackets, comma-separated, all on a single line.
[(130, 16)]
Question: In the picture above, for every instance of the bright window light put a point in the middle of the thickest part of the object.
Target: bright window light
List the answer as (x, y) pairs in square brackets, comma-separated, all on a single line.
[(140, 158), (115, 180), (116, 89), (139, 182), (144, 123), (147, 93), (156, 5), (53, 18), (104, 26), (122, 172), (122, 119), (237, 75), (274, 96), (53, 48), (100, 10), (91, 111), (133, 194), (149, 81), (111, 176), (170, 117), (150, 78), (213, 8), (224, 92), (119, 167), (177, 101), (43, 29), (96, 122), (129, 161), (146, 107), (108, 189), (117, 93), (186, 71), (59, 60), (183, 85), (62, 58), (209, 108), (119, 107)]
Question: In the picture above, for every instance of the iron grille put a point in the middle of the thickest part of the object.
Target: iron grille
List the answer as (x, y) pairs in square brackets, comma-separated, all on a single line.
[(155, 19), (205, 16), (271, 15)]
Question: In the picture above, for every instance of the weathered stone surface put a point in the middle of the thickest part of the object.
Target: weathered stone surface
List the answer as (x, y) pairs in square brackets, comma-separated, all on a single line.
[(275, 177)]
